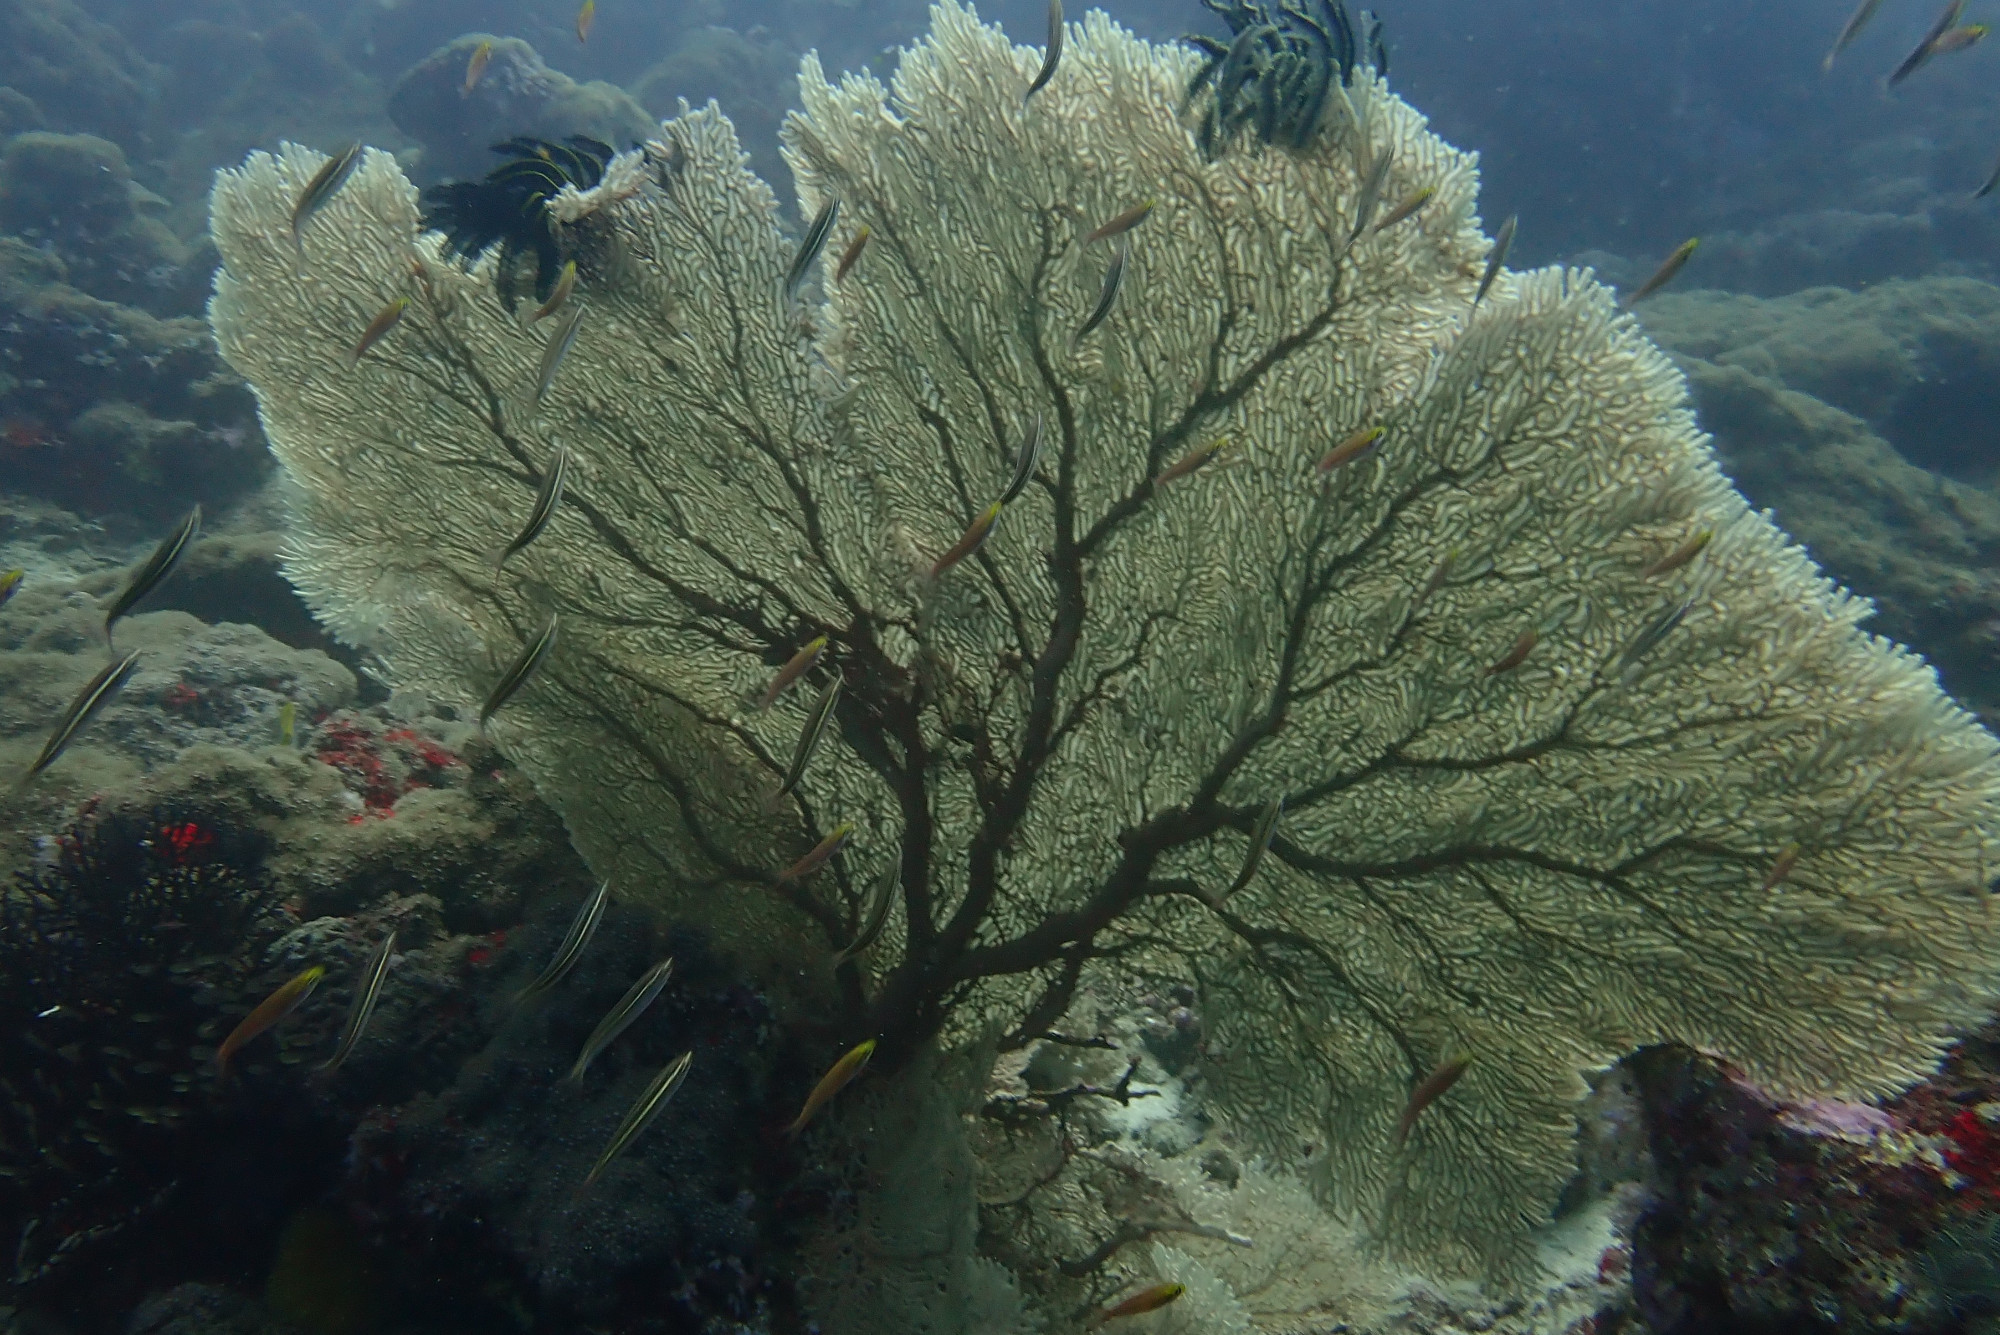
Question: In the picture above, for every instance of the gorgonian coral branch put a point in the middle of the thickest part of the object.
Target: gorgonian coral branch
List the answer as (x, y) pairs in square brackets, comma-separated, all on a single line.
[(1533, 785)]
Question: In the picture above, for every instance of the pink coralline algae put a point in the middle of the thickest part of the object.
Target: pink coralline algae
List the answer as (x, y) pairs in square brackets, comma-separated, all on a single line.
[(1973, 1153), (1834, 1117), (1773, 1215), (382, 766)]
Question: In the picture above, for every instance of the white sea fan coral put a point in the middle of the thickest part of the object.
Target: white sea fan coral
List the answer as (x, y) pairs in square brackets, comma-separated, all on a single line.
[(1206, 1306), (1533, 794)]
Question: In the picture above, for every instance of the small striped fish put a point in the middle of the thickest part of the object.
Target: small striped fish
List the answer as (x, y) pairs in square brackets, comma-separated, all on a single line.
[(581, 928), (642, 1112), (155, 570), (366, 994), (98, 692), (620, 1017)]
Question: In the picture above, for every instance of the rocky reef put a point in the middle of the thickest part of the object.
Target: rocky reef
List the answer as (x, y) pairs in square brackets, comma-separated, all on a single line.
[(517, 94), (1859, 418), (110, 403)]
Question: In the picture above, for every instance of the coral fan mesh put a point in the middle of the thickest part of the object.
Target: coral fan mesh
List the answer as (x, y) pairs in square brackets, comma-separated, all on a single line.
[(1534, 788)]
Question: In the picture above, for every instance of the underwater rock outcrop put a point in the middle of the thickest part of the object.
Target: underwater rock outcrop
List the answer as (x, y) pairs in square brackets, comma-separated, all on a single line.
[(1571, 742), (73, 195), (474, 1188), (105, 408), (196, 685), (751, 75), (517, 95), (1769, 1214), (70, 72), (1861, 419)]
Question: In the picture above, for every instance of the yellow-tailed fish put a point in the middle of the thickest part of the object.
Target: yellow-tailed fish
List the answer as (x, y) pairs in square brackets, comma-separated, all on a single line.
[(1433, 1086), (1518, 654), (836, 1079), (288, 723), (800, 663), (817, 719), (154, 571), (1650, 638), (10, 584), (581, 928), (810, 246), (1440, 572), (1680, 555), (1261, 835), (1371, 195), (974, 537), (820, 854), (1665, 273), (1788, 858), (1114, 277), (547, 497), (1358, 445), (1927, 48), (1498, 257), (269, 1012), (875, 913), (1051, 55), (1122, 224), (1026, 460), (852, 254), (642, 1112), (1959, 38), (558, 295), (378, 329), (475, 68), (559, 343), (324, 185), (1411, 203), (1852, 29), (586, 18), (1194, 459), (519, 671), (367, 992), (1144, 1301), (98, 692), (620, 1017)]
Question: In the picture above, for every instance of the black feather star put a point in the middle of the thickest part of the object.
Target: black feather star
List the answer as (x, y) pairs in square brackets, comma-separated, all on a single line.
[(1277, 71), (510, 209)]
